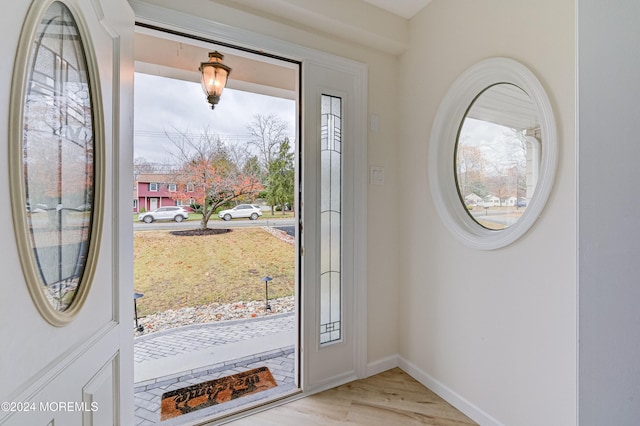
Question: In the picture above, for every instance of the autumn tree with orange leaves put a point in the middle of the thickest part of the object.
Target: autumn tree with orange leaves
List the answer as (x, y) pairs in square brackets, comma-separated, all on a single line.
[(206, 174)]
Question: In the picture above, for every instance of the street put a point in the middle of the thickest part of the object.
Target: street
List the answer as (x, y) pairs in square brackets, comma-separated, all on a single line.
[(215, 224)]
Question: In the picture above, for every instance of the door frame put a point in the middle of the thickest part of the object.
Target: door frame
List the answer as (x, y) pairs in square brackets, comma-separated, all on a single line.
[(158, 16)]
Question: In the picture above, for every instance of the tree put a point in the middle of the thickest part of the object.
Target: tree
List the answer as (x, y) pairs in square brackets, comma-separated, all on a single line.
[(142, 166), (252, 166), (206, 174), (281, 178), (267, 133), (470, 169)]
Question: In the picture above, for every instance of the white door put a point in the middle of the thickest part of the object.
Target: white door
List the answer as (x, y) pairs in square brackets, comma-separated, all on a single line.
[(154, 204), (78, 373)]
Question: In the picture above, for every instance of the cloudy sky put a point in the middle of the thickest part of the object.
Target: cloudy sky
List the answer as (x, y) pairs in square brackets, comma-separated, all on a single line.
[(163, 104)]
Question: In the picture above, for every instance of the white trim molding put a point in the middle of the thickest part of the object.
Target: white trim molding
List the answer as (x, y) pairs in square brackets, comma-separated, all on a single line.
[(449, 395)]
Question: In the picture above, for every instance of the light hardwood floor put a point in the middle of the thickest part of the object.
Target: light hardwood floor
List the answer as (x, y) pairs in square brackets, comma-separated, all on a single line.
[(392, 398)]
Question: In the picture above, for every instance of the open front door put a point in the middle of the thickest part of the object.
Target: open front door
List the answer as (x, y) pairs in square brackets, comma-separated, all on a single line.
[(66, 305)]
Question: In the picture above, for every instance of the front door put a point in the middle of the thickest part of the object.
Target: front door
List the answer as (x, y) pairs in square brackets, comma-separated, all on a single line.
[(76, 371)]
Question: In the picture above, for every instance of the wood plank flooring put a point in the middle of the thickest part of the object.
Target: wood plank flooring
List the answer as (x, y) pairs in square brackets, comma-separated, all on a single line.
[(387, 399)]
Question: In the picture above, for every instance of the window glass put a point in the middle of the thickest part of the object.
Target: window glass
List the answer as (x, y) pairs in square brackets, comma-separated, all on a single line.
[(496, 160), (331, 220), (58, 155)]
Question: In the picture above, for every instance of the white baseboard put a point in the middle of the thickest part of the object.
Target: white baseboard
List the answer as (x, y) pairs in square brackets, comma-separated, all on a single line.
[(381, 365), (462, 404), (330, 383)]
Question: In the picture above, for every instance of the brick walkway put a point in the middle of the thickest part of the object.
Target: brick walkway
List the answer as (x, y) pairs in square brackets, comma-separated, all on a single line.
[(229, 347)]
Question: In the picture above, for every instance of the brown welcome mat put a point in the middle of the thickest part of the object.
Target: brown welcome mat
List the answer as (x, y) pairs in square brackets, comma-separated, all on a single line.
[(213, 392)]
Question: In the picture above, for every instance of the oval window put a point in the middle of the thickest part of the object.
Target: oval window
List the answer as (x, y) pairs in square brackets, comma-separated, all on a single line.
[(54, 205), (492, 154), (496, 156)]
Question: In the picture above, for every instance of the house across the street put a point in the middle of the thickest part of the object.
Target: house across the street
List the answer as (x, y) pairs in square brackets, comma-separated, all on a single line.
[(156, 190)]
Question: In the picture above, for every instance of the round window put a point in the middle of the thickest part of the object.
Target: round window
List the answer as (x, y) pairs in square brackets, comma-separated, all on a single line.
[(496, 127)]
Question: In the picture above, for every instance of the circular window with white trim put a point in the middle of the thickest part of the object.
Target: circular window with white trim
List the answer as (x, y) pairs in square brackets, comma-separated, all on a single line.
[(493, 154)]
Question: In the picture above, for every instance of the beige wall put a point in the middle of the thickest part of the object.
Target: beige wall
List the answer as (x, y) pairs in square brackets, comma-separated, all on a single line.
[(496, 329)]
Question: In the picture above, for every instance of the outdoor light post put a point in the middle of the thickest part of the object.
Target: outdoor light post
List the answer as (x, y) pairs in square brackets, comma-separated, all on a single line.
[(214, 77), (266, 280), (137, 296)]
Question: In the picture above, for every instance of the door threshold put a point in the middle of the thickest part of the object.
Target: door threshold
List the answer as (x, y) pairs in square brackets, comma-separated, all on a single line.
[(245, 407)]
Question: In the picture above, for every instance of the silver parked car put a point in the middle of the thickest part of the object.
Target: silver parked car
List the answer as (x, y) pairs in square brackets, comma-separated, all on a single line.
[(241, 210), (176, 213)]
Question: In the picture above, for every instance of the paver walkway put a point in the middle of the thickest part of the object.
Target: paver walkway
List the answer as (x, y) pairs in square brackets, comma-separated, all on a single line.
[(172, 359)]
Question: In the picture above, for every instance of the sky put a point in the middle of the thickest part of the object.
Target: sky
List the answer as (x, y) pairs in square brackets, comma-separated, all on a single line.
[(163, 104), (496, 142)]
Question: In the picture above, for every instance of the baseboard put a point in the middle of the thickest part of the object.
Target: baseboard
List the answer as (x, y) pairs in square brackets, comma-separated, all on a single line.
[(330, 383), (381, 365), (462, 404)]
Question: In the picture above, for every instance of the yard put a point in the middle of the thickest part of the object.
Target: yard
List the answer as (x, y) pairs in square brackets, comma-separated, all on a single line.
[(181, 271)]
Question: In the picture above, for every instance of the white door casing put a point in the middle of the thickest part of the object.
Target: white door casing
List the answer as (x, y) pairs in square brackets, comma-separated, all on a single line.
[(79, 373), (322, 74)]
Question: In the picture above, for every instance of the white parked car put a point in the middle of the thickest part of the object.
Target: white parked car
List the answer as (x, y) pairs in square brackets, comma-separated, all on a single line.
[(176, 213), (241, 210)]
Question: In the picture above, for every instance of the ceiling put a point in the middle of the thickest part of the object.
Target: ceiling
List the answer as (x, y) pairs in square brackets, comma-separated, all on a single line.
[(379, 24), (172, 56), (404, 8), (250, 73)]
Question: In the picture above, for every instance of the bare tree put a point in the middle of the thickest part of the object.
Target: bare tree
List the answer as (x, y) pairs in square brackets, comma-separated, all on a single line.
[(470, 166), (267, 132), (141, 166)]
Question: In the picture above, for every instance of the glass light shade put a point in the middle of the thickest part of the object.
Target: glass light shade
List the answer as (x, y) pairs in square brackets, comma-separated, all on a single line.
[(214, 77)]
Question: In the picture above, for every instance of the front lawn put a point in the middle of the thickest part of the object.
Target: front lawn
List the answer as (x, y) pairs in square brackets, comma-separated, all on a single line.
[(180, 271)]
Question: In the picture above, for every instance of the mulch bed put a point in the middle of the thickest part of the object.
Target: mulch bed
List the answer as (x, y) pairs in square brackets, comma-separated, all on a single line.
[(199, 232)]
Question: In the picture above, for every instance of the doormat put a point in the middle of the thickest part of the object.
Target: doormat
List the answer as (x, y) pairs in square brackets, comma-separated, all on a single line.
[(214, 392)]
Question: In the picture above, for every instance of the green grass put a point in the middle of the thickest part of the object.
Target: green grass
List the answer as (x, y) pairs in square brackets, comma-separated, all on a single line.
[(178, 271)]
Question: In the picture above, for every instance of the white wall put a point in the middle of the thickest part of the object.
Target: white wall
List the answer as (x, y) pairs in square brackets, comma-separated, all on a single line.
[(609, 206), (493, 331)]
